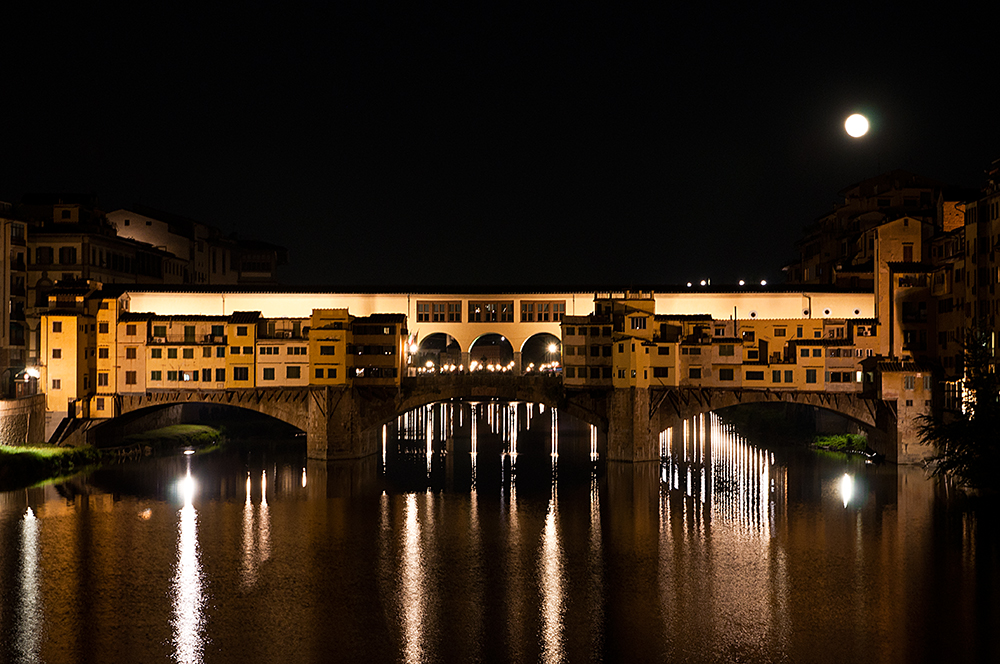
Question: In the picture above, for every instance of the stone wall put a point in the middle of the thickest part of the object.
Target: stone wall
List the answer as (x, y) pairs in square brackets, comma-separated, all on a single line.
[(22, 421)]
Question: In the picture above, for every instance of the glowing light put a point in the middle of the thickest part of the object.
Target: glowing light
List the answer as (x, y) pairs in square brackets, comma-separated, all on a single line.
[(742, 282), (188, 452), (414, 348), (689, 284), (763, 282), (703, 282), (429, 365), (553, 348), (846, 488), (856, 125), (33, 372)]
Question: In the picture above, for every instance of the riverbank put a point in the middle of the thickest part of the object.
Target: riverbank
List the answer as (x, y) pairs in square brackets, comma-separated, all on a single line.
[(849, 443), (27, 466)]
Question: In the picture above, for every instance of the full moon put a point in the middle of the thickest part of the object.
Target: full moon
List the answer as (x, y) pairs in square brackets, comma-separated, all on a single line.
[(856, 125)]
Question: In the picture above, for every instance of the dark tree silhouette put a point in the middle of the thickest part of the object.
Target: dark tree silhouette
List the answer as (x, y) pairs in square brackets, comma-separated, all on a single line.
[(968, 441)]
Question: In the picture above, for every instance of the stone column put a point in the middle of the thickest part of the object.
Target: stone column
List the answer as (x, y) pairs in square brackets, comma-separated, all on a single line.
[(630, 433)]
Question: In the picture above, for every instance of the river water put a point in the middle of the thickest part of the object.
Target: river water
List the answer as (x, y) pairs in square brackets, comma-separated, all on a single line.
[(450, 548)]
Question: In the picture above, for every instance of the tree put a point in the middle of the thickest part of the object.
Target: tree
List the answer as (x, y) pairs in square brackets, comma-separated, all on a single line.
[(968, 442)]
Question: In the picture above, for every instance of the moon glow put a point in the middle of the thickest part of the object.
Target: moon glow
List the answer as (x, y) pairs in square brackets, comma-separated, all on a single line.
[(856, 125)]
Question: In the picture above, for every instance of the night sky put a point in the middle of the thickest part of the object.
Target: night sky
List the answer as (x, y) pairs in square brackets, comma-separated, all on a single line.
[(492, 143)]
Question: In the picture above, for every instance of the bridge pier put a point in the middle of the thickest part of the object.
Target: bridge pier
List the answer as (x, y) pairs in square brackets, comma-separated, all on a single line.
[(631, 435), (334, 428)]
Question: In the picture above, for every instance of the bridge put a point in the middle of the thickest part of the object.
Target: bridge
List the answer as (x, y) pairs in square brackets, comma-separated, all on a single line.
[(346, 422)]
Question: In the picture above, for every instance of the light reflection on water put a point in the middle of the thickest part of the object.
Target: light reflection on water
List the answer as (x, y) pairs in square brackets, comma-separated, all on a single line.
[(496, 548), (186, 588), (30, 616)]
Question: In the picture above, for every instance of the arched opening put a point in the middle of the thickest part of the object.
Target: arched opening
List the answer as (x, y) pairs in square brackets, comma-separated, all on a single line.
[(436, 352), (238, 424), (491, 352), (541, 352)]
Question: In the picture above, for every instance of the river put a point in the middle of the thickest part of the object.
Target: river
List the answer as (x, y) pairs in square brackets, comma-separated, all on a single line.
[(449, 548)]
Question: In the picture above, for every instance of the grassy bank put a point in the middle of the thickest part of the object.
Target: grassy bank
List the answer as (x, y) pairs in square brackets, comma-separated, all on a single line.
[(176, 436), (26, 466), (847, 442)]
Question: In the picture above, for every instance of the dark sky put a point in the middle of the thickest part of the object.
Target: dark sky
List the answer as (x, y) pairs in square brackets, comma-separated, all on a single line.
[(550, 143)]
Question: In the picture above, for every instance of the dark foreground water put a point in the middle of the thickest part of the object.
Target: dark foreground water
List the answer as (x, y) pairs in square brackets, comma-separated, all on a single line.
[(447, 548)]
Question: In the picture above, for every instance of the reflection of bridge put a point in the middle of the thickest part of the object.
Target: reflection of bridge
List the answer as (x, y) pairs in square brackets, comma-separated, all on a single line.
[(344, 423)]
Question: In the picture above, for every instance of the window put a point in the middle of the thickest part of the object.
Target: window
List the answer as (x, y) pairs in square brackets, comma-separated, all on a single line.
[(131, 353), (491, 312), (776, 376), (570, 372), (241, 331), (57, 326), (67, 255), (206, 375), (234, 350), (102, 379), (749, 336), (423, 313), (220, 375), (269, 373), (798, 331), (130, 378), (694, 372), (331, 373), (206, 351), (755, 375), (595, 351), (927, 382), (156, 353), (789, 376), (638, 322), (172, 376), (727, 350), (319, 373), (220, 351), (248, 350), (241, 373), (56, 353), (171, 353), (189, 333), (156, 376), (187, 353), (56, 384), (100, 403), (810, 375), (293, 372), (621, 348), (621, 373), (102, 327), (779, 331), (102, 353), (570, 331), (660, 372), (327, 350), (160, 331), (663, 350), (817, 334), (909, 382), (130, 330), (595, 372), (804, 352), (725, 374), (296, 350), (817, 352)]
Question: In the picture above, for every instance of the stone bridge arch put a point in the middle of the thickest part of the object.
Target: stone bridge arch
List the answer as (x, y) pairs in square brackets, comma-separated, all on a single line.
[(378, 407), (669, 407)]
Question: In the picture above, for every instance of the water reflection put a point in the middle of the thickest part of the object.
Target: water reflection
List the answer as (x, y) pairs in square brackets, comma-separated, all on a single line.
[(256, 535), (551, 580), (186, 588), (29, 619), (412, 584)]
